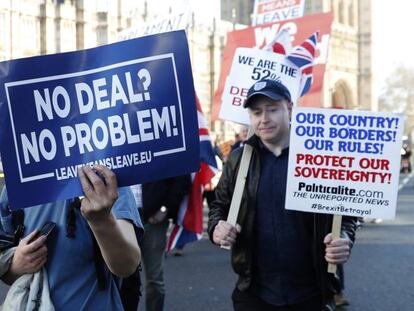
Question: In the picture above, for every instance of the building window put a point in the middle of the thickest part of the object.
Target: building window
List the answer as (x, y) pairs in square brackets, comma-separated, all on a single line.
[(3, 31), (334, 9), (351, 16), (308, 7), (102, 29), (341, 12), (68, 35), (29, 35)]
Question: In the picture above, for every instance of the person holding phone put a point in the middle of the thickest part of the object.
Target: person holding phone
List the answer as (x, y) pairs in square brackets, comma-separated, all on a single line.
[(107, 219)]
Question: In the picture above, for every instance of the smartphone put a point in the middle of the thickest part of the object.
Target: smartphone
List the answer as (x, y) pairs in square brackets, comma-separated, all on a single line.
[(47, 229)]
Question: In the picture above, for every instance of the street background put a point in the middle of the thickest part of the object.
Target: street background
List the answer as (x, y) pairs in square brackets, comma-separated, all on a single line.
[(378, 277), (370, 67)]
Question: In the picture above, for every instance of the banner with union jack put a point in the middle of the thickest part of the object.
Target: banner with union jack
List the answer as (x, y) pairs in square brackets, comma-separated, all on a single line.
[(260, 36), (189, 226), (303, 56), (281, 43)]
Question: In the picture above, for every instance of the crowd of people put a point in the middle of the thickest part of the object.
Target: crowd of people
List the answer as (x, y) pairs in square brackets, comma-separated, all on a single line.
[(106, 236)]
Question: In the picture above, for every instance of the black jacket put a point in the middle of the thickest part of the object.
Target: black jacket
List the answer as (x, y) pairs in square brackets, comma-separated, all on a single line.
[(243, 247), (166, 192)]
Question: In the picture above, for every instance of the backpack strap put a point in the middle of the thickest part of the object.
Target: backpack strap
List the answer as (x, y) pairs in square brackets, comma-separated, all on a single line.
[(18, 224), (130, 290), (71, 218), (99, 264), (97, 255)]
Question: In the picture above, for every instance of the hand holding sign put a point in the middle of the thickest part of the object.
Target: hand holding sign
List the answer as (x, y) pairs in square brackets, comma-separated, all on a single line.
[(101, 192), (129, 106), (225, 234), (343, 163), (337, 250)]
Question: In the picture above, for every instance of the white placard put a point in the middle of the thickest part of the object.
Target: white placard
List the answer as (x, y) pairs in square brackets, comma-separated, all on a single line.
[(172, 22), (248, 67), (270, 11), (344, 162)]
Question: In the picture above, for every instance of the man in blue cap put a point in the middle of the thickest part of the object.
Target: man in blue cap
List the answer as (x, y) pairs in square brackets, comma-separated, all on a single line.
[(280, 255)]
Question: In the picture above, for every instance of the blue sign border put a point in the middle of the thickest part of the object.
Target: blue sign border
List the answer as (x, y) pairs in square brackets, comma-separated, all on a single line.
[(176, 161)]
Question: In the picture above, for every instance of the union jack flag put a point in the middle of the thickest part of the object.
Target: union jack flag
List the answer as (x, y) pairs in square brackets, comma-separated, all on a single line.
[(189, 225), (281, 44), (303, 56)]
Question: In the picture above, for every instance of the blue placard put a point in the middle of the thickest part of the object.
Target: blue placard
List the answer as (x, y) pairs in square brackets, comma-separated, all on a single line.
[(128, 105)]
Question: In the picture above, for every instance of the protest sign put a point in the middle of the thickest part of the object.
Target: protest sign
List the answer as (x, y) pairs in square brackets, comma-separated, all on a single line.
[(129, 106), (171, 22), (344, 162), (260, 36), (270, 11), (250, 66)]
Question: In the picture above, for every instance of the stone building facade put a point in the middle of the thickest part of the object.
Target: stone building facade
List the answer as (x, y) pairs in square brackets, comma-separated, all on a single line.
[(34, 27), (349, 79)]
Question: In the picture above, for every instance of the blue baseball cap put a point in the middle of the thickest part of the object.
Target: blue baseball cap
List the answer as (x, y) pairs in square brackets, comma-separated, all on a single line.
[(269, 88)]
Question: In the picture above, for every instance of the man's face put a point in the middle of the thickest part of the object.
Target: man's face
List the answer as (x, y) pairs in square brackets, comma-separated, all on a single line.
[(243, 133), (270, 119)]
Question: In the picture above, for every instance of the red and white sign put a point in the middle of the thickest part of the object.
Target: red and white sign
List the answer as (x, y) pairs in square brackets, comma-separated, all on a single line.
[(344, 162), (270, 11), (259, 36)]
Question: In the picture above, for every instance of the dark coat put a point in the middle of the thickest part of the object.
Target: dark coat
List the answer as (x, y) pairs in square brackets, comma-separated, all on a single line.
[(242, 249), (166, 192)]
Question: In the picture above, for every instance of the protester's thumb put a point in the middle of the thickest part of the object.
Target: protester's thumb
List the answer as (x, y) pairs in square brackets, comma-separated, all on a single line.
[(328, 238), (238, 228)]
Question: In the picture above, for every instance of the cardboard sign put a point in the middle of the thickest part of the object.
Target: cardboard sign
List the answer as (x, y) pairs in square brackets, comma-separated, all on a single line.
[(259, 36), (171, 22), (270, 11), (250, 66), (344, 162), (129, 106)]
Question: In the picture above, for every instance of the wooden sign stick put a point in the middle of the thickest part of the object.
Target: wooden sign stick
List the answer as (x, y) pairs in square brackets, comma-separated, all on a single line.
[(240, 183), (336, 230)]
